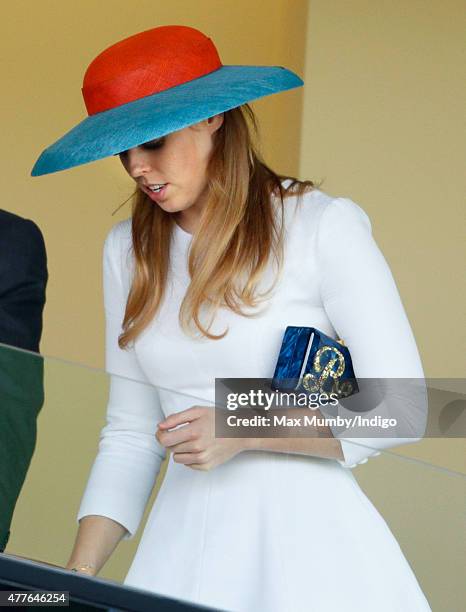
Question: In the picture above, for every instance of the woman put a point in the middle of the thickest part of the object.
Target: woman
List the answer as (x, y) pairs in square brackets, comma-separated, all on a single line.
[(244, 524)]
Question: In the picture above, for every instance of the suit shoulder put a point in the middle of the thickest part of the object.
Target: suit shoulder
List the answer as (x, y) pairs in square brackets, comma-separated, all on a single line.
[(14, 225), (22, 236), (9, 218)]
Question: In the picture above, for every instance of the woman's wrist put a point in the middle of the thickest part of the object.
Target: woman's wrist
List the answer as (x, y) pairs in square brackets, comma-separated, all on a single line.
[(84, 568)]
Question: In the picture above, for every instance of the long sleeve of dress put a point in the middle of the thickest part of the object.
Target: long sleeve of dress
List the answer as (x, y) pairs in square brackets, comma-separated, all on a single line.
[(129, 456), (362, 301)]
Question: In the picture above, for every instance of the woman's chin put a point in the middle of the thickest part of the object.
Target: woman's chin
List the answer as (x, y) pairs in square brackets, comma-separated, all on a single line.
[(168, 206)]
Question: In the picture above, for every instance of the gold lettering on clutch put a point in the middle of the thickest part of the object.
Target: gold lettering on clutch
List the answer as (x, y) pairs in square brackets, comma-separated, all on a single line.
[(334, 368)]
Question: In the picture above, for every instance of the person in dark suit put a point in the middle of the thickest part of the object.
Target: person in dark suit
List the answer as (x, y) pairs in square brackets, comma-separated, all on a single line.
[(23, 280)]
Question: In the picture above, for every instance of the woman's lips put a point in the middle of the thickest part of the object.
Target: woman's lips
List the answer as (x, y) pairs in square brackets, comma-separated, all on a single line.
[(156, 195)]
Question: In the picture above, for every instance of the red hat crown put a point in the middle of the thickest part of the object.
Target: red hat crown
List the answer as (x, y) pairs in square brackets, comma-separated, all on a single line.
[(145, 64)]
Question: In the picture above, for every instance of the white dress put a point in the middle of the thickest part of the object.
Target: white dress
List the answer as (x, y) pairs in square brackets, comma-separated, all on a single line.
[(265, 531)]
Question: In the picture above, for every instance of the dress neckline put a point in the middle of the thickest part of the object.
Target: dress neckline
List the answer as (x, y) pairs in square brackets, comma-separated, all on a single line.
[(181, 232)]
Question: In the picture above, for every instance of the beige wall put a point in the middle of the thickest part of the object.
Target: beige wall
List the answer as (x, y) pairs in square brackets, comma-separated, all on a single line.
[(383, 123)]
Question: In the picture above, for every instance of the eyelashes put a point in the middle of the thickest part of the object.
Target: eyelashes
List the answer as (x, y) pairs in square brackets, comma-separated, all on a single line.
[(154, 144), (150, 145)]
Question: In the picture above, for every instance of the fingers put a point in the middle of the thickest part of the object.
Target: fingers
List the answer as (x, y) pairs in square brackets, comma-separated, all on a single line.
[(193, 446), (177, 418), (175, 429), (190, 458), (178, 436)]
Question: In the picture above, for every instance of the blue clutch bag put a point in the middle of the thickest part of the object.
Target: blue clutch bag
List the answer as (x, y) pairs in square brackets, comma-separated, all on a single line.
[(310, 361)]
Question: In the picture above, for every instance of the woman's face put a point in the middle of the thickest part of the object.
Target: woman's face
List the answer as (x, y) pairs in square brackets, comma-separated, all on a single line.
[(178, 161)]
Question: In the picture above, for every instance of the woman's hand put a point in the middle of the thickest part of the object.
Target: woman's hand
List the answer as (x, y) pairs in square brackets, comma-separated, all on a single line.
[(194, 444)]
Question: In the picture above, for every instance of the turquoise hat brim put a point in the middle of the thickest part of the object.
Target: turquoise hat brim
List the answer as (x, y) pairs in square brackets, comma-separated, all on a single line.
[(129, 125)]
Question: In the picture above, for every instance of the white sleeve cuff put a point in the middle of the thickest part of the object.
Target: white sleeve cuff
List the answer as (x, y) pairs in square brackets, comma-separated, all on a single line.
[(118, 487), (356, 451)]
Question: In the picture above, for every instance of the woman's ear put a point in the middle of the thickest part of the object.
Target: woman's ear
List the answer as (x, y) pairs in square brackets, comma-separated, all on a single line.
[(215, 122), (211, 124)]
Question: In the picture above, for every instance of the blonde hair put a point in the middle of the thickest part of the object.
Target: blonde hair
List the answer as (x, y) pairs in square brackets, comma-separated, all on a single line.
[(236, 234)]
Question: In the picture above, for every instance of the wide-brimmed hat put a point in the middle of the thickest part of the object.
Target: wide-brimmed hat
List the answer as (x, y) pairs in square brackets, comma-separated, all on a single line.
[(153, 83)]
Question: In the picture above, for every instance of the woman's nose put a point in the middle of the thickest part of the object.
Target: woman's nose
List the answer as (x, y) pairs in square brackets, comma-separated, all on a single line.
[(137, 162)]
